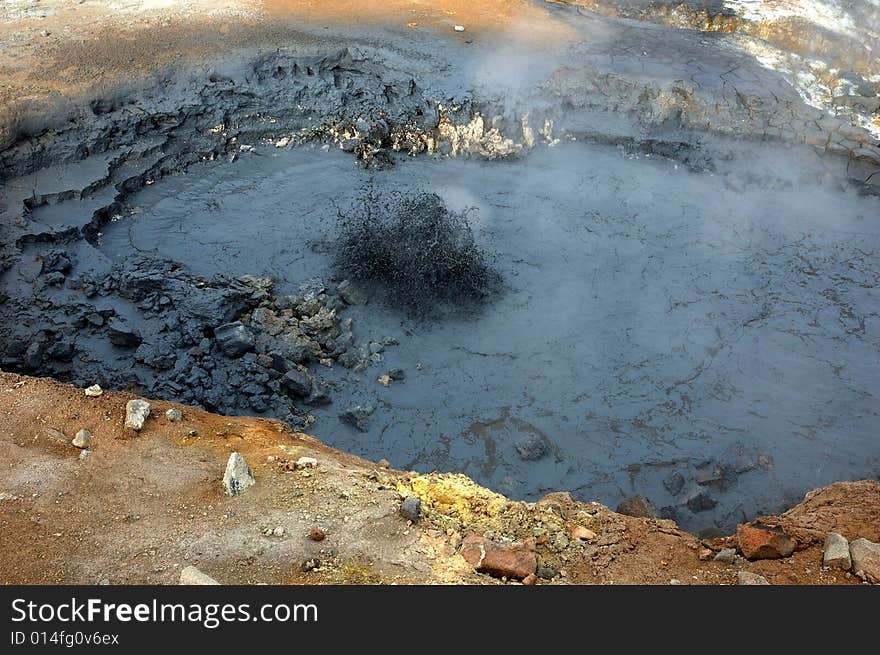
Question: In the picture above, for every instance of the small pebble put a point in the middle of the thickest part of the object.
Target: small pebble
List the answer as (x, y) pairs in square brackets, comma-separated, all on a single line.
[(82, 439), (411, 507), (174, 415), (459, 28), (317, 534), (94, 391)]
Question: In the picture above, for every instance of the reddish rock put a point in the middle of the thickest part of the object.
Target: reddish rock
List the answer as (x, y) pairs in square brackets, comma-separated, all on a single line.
[(706, 555), (514, 560), (530, 579), (582, 533), (758, 541), (316, 534)]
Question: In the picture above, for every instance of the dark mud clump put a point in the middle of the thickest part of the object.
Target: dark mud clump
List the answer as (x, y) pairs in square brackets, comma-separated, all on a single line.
[(420, 252)]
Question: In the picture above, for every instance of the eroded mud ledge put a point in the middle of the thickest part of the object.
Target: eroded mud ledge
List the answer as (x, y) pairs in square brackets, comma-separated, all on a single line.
[(711, 115)]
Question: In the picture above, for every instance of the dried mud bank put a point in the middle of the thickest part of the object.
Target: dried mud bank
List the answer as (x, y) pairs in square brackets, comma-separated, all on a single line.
[(145, 506), (97, 286)]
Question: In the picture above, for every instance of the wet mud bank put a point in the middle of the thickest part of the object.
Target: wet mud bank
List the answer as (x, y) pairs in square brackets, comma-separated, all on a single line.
[(689, 310)]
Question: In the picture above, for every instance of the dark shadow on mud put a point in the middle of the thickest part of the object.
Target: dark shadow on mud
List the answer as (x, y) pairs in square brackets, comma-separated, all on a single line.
[(420, 254)]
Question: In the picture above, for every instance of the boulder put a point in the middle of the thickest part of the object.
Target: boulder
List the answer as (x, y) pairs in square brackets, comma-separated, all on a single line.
[(136, 413), (836, 553), (513, 560), (866, 559), (758, 541), (531, 448), (234, 339), (238, 476), (637, 506), (121, 335), (297, 383)]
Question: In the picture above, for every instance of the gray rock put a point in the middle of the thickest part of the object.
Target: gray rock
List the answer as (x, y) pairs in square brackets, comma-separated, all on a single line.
[(531, 448), (234, 339), (94, 391), (836, 553), (866, 559), (749, 578), (238, 476), (136, 413), (397, 374), (82, 439), (637, 506), (674, 483), (411, 507), (357, 415), (700, 501), (547, 572), (726, 555), (121, 335), (174, 415), (350, 293), (297, 382), (192, 576)]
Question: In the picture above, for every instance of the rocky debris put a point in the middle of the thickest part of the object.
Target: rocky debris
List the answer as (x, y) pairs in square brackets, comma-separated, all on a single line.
[(637, 506), (357, 415), (530, 579), (94, 391), (190, 575), (238, 476), (757, 541), (234, 339), (531, 448), (510, 560), (411, 508), (726, 555), (706, 554), (866, 559), (82, 439), (835, 553), (749, 578), (582, 533), (174, 415), (384, 380), (306, 463), (317, 534), (136, 413), (122, 335), (700, 501)]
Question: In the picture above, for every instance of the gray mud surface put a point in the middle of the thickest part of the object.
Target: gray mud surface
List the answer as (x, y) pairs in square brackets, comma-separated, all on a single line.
[(690, 309)]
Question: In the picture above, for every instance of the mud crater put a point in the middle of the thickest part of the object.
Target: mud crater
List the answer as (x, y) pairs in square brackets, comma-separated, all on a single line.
[(684, 317)]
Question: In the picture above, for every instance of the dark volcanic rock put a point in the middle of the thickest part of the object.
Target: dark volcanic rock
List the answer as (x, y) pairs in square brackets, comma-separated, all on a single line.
[(637, 506), (700, 501), (531, 448), (297, 383), (234, 339), (357, 415), (123, 335)]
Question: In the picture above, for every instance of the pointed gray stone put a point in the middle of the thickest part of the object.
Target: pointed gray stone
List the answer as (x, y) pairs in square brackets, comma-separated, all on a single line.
[(238, 476), (136, 412), (836, 553)]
